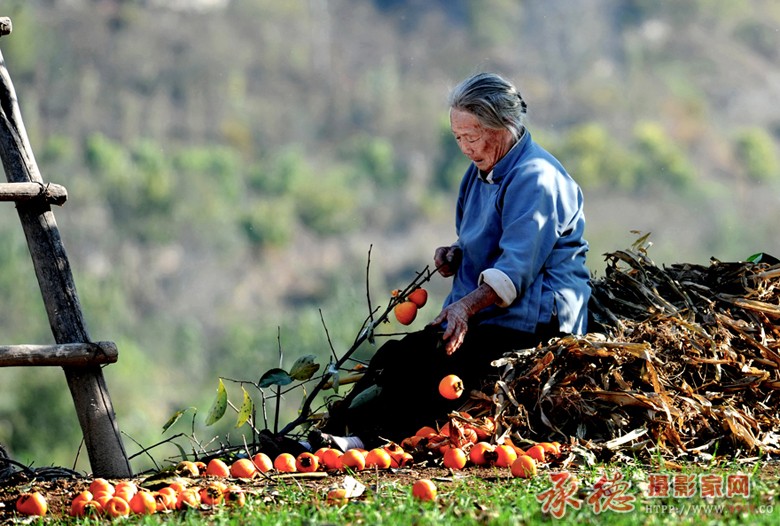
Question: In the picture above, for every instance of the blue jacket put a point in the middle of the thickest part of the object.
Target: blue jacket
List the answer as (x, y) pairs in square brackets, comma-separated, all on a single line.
[(521, 230)]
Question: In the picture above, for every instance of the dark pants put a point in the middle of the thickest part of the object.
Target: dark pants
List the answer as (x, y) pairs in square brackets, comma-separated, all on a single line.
[(407, 373)]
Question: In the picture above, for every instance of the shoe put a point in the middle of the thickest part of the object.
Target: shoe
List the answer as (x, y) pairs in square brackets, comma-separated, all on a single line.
[(317, 439), (274, 445)]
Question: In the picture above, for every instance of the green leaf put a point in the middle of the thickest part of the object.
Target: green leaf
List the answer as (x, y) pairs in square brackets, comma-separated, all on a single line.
[(303, 400), (365, 396), (763, 257), (219, 406), (274, 376), (181, 450), (246, 409), (304, 368), (175, 418)]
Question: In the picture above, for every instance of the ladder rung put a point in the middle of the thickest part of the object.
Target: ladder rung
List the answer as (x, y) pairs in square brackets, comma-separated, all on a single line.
[(63, 354), (52, 193)]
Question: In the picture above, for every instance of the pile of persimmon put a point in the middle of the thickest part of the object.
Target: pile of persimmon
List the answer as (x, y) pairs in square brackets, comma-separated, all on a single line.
[(332, 459), (406, 311), (126, 498), (464, 441)]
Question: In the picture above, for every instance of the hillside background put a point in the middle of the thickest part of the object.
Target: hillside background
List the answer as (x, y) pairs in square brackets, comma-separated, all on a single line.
[(230, 163)]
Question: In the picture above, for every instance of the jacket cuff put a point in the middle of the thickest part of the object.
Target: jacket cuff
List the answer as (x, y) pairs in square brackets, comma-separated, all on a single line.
[(501, 284)]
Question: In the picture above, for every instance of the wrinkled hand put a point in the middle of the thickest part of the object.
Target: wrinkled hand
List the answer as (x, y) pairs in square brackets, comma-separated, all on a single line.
[(457, 317), (447, 260)]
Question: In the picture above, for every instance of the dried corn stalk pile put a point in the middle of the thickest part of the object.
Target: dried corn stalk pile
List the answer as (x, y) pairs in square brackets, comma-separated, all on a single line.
[(687, 359)]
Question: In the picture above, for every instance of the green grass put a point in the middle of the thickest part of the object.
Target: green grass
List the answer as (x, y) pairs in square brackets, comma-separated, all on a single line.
[(488, 496)]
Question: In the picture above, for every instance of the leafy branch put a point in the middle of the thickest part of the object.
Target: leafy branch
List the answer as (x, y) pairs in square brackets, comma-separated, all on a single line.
[(305, 368), (366, 333)]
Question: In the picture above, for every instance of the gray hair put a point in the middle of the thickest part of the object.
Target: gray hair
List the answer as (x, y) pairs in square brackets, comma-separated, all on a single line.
[(494, 101)]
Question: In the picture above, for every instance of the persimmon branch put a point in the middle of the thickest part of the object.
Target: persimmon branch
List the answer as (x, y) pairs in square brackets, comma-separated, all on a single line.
[(327, 334), (366, 332), (278, 387)]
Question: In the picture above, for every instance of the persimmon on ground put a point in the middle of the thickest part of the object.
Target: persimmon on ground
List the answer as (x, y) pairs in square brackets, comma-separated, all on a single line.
[(285, 463), (243, 468), (102, 498), (336, 497), (84, 495), (424, 489), (124, 494), (101, 485), (505, 455), (81, 508), (235, 497), (425, 431), (330, 458), (480, 453), (187, 468), (262, 462), (454, 458), (524, 467), (536, 452), (550, 449), (178, 486), (143, 503), (189, 498), (307, 462), (378, 458), (125, 489), (353, 459), (219, 484), (451, 387), (168, 490), (116, 507), (470, 435), (32, 504), (402, 460), (212, 495), (165, 500), (217, 468)]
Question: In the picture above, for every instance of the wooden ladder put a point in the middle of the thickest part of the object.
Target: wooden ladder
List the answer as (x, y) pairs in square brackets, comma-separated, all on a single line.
[(80, 358)]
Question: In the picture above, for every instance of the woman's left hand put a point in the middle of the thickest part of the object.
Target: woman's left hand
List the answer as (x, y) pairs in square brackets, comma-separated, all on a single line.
[(457, 315)]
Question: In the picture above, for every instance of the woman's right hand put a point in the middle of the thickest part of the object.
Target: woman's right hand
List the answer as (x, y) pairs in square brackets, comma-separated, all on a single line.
[(447, 260)]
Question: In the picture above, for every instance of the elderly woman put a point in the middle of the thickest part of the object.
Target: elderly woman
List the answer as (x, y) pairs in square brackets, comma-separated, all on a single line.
[(518, 269)]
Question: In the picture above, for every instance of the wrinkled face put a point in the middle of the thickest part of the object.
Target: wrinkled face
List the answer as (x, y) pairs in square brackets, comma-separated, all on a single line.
[(484, 146)]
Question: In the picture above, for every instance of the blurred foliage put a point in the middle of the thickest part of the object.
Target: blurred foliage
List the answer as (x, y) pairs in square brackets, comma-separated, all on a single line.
[(758, 157), (227, 169), (597, 160), (662, 161)]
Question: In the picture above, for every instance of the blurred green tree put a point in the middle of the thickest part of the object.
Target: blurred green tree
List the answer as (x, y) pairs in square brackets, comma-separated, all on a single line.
[(597, 160), (374, 158), (757, 155), (269, 222), (450, 164), (660, 161)]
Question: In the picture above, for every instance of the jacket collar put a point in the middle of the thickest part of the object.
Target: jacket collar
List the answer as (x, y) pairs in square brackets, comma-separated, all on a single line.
[(502, 167)]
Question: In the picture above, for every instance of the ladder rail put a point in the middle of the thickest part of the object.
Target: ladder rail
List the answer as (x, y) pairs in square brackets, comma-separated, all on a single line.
[(87, 385)]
